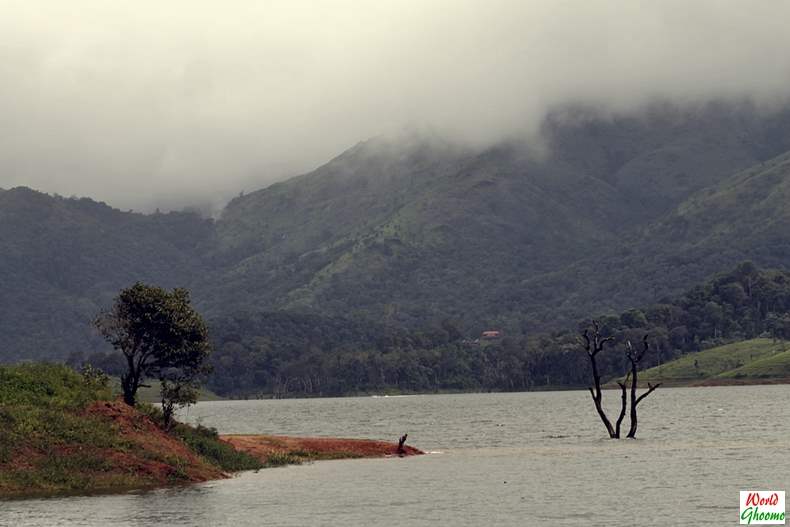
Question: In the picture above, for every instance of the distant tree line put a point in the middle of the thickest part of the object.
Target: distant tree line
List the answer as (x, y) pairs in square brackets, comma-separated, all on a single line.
[(286, 354)]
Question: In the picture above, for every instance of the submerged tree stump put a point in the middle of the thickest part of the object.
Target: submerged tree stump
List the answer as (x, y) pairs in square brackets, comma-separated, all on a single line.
[(593, 345), (401, 444)]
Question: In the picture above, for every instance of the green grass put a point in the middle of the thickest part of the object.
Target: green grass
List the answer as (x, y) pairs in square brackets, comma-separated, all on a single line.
[(777, 365), (39, 417), (752, 359), (206, 443), (49, 385), (298, 457)]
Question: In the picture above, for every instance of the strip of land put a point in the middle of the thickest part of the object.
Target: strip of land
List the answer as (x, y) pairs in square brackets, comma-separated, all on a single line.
[(267, 448), (63, 433)]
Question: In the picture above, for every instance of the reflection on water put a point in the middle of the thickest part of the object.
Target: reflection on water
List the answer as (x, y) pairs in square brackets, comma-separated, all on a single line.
[(506, 459)]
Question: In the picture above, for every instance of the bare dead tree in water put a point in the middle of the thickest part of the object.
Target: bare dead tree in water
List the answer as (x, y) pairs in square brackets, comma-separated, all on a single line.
[(593, 344), (623, 403), (634, 358)]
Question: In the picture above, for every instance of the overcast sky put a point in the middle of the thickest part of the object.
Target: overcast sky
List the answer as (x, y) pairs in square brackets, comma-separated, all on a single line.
[(143, 103)]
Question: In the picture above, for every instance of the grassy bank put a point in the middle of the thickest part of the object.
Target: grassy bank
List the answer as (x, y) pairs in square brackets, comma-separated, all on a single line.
[(61, 432), (756, 361)]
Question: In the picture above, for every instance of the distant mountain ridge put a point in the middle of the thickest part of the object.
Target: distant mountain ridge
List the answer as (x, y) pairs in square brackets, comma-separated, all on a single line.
[(616, 212), (504, 235), (62, 260)]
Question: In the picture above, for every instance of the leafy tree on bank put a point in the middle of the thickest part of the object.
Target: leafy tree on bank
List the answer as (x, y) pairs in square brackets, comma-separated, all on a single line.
[(156, 331), (177, 388)]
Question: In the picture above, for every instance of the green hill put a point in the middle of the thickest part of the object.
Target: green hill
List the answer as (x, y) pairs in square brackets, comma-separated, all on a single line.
[(776, 366), (743, 217), (63, 260), (753, 360), (414, 233)]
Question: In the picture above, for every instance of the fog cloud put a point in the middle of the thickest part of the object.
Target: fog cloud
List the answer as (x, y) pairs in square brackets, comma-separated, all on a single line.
[(144, 103)]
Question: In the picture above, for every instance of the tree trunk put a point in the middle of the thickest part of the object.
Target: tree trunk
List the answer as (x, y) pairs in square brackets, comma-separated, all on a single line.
[(634, 358), (130, 381), (401, 443), (593, 347), (598, 397), (168, 408), (128, 393), (632, 430), (623, 405)]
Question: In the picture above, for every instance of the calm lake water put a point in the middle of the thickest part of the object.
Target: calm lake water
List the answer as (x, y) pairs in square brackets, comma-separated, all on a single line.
[(496, 459)]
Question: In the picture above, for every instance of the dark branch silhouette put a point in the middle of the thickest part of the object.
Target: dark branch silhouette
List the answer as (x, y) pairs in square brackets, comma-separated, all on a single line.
[(634, 358), (623, 405), (401, 444), (594, 344), (593, 347)]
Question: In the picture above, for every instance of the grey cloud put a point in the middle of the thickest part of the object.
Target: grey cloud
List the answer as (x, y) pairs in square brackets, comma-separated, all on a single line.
[(168, 103)]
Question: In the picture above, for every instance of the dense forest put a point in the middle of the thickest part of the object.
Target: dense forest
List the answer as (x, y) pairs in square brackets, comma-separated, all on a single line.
[(289, 354)]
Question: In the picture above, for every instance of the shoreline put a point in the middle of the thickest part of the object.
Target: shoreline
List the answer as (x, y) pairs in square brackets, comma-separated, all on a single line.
[(271, 450), (710, 382), (669, 383), (64, 434)]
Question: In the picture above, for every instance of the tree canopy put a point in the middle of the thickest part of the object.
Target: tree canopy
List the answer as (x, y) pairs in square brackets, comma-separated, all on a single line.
[(157, 331)]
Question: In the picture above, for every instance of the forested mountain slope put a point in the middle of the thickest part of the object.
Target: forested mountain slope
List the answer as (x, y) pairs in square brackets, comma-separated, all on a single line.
[(608, 212), (512, 237), (62, 260), (744, 217)]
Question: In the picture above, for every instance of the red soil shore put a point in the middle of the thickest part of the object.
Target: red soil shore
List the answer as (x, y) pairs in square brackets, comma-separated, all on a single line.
[(155, 455), (114, 447), (263, 446), (110, 447)]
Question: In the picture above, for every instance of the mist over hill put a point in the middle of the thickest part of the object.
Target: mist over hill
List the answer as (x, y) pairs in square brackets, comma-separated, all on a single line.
[(163, 105), (604, 213), (509, 236)]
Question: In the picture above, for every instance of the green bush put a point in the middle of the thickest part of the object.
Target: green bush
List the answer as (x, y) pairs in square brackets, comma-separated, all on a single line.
[(206, 443)]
